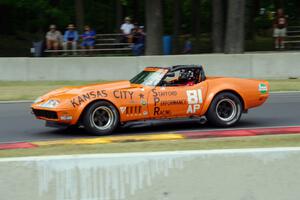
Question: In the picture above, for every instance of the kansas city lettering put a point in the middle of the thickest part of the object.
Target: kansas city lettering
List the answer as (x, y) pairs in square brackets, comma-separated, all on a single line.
[(121, 94), (77, 101)]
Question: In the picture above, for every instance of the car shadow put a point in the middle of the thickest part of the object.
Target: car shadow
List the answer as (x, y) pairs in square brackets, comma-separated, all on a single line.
[(149, 127)]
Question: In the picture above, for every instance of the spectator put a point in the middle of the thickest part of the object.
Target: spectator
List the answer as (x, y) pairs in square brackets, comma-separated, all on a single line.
[(70, 38), (139, 41), (88, 38), (126, 29), (279, 25), (53, 38)]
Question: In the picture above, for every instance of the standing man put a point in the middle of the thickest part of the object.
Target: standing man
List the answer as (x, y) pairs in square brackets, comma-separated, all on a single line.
[(70, 38), (279, 25), (53, 38), (126, 29)]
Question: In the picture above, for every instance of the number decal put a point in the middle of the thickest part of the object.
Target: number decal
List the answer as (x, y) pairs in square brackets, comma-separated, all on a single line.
[(194, 100)]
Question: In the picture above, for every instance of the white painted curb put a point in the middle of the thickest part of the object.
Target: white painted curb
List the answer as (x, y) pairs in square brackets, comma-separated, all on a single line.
[(233, 174)]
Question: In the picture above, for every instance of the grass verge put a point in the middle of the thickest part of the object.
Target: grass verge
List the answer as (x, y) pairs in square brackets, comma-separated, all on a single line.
[(29, 90), (292, 140)]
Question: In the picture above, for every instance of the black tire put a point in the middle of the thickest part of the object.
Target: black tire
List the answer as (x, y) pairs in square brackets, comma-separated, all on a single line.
[(225, 110), (101, 118)]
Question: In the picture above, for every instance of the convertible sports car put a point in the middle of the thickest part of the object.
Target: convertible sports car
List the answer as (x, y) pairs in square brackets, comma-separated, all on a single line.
[(154, 93)]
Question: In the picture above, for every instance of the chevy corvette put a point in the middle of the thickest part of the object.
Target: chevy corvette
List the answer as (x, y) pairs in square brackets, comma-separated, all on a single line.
[(155, 93)]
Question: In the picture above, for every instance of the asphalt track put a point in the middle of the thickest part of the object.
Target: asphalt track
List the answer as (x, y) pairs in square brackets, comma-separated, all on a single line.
[(17, 124)]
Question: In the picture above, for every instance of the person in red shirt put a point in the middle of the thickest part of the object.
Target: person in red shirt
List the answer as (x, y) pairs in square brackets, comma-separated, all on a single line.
[(279, 25)]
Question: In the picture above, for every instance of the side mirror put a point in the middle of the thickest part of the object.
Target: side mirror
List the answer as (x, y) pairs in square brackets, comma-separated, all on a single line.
[(171, 74)]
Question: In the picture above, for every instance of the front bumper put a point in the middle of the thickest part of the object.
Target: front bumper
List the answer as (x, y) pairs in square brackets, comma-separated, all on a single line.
[(58, 116)]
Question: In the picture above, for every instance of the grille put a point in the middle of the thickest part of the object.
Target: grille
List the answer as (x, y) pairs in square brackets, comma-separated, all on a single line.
[(45, 113)]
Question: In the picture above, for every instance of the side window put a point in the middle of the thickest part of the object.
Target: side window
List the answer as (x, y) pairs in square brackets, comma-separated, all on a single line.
[(182, 77)]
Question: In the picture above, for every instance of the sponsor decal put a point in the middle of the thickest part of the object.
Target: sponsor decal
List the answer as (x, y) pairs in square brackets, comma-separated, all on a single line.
[(141, 96), (156, 98), (163, 94), (158, 111), (143, 102), (262, 88), (130, 110), (122, 109), (77, 101), (172, 102), (194, 100)]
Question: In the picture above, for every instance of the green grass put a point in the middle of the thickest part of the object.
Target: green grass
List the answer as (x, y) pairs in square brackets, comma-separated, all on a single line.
[(29, 90), (292, 140), (285, 85)]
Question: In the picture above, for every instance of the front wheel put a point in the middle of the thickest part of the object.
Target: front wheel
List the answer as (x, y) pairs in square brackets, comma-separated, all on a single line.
[(101, 118), (225, 110)]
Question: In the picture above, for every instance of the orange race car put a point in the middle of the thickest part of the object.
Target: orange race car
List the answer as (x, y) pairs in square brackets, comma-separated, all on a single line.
[(154, 93)]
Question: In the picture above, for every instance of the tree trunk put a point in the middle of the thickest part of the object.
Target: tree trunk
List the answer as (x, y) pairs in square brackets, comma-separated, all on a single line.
[(136, 6), (234, 42), (196, 17), (79, 10), (250, 16), (153, 27), (119, 15), (279, 4), (176, 25), (218, 26)]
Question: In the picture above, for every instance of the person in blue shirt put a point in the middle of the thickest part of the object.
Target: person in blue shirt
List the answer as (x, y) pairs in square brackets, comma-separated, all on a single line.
[(70, 38), (139, 41), (88, 38)]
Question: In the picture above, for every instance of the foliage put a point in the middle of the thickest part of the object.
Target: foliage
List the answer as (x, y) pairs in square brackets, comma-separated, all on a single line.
[(31, 18)]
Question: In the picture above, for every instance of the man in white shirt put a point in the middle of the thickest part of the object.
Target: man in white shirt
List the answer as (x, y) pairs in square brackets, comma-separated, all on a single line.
[(126, 29)]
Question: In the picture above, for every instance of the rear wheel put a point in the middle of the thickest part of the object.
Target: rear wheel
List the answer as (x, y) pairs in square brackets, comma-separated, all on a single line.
[(101, 118), (225, 110)]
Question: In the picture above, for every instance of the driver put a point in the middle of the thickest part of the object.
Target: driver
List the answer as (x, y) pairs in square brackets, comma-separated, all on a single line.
[(187, 77)]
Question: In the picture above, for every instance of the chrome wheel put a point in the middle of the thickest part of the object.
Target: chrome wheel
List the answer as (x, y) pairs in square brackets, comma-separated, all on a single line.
[(102, 118), (226, 109)]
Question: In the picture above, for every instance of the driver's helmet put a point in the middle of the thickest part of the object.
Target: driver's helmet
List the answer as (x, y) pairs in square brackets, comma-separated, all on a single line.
[(186, 75)]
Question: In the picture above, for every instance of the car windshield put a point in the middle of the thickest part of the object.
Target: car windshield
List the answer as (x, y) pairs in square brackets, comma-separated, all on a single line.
[(149, 78)]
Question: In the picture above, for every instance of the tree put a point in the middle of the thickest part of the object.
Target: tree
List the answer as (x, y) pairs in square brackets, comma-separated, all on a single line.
[(153, 27), (234, 42), (79, 10), (196, 17), (176, 24), (119, 15), (218, 26)]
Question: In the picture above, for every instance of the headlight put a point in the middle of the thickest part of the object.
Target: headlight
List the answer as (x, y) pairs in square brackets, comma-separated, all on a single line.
[(39, 99), (50, 104)]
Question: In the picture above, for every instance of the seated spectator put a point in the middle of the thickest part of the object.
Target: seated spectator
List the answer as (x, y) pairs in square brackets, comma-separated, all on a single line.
[(88, 38), (70, 38), (126, 29), (139, 41), (53, 38)]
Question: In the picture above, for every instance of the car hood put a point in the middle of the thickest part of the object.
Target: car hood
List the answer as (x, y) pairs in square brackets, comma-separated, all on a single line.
[(76, 90)]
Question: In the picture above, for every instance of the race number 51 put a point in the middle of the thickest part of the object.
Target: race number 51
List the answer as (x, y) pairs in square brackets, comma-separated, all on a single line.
[(194, 100)]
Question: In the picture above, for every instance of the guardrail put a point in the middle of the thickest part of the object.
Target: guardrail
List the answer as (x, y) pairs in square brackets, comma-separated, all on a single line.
[(255, 65), (258, 174)]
